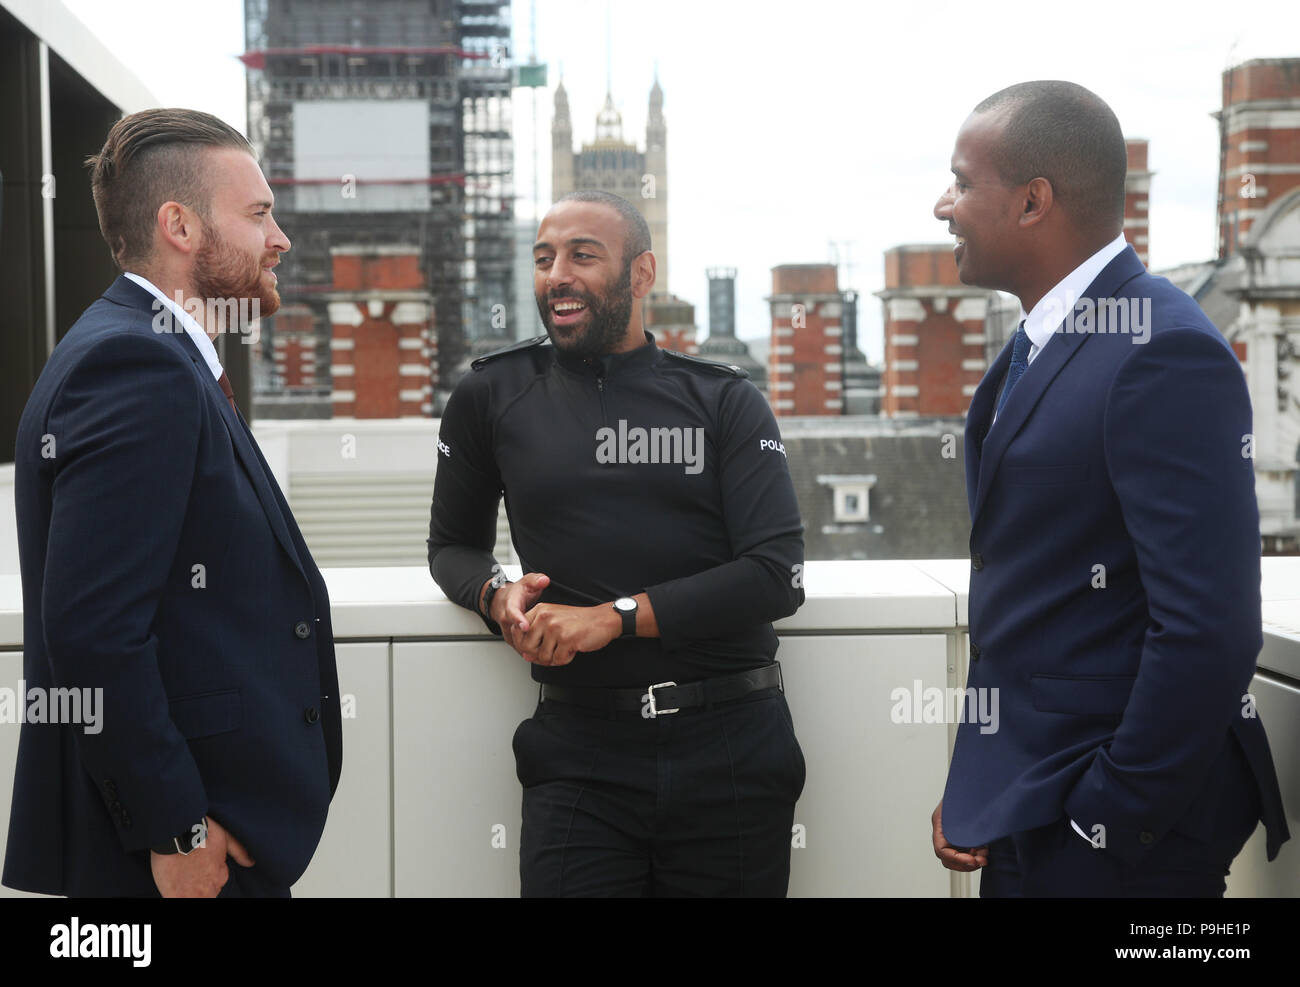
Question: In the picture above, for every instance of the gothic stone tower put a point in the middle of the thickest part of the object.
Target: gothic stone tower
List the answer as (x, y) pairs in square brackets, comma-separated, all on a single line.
[(616, 165)]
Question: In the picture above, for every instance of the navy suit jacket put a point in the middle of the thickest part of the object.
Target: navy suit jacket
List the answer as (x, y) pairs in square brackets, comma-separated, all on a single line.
[(160, 563), (1119, 689)]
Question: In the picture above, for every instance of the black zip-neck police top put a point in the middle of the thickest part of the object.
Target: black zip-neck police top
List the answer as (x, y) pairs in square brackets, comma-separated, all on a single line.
[(644, 471)]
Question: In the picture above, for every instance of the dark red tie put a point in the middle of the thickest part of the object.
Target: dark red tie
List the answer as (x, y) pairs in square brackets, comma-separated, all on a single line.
[(228, 391)]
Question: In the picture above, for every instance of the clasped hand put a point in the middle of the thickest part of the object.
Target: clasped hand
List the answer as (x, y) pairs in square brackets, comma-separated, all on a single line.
[(549, 633)]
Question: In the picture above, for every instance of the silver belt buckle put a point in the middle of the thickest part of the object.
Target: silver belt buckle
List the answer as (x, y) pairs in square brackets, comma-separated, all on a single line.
[(655, 710)]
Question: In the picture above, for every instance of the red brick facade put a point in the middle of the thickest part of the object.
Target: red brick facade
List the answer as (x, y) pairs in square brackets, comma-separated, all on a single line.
[(294, 352), (671, 320), (805, 370), (1261, 104), (1137, 189), (382, 350), (934, 334), (680, 339)]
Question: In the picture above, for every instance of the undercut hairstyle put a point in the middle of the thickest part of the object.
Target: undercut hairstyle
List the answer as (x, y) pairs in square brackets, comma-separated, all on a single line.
[(149, 158), (1068, 135), (636, 234)]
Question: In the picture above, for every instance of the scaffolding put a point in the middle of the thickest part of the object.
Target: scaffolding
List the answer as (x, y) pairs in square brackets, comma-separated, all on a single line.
[(452, 55), (486, 76)]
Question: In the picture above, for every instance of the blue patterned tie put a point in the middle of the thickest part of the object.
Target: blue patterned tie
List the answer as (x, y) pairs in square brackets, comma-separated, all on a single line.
[(1019, 364)]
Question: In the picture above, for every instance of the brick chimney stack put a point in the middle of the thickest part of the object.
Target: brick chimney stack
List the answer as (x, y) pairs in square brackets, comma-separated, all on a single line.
[(294, 351), (381, 321), (805, 363), (934, 333), (1260, 152), (1137, 191)]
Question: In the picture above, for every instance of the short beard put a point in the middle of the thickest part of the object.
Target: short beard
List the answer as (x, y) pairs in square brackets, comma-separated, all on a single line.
[(222, 272), (607, 327)]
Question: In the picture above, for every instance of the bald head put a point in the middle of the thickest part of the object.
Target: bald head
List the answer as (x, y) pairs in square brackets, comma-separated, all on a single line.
[(1068, 135)]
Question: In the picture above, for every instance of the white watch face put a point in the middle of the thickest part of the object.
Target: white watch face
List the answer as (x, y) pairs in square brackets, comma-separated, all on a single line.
[(625, 604)]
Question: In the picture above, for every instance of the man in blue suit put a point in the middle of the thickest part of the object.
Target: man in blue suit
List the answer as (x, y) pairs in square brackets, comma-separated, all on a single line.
[(1115, 583), (161, 567)]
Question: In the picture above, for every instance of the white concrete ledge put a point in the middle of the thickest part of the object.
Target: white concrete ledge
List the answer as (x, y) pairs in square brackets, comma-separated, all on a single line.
[(431, 703), (885, 595)]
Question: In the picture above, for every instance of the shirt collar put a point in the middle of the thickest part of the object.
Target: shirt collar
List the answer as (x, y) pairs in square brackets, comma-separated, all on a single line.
[(611, 363), (1050, 311), (188, 323)]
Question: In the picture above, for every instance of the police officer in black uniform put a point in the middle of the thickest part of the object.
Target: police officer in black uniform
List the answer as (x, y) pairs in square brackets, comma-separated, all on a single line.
[(651, 505)]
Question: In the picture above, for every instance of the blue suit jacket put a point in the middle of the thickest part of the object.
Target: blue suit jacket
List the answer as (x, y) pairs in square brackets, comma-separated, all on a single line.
[(160, 563), (1119, 689)]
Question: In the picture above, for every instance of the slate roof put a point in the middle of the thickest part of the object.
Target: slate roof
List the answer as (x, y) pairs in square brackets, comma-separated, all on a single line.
[(917, 506)]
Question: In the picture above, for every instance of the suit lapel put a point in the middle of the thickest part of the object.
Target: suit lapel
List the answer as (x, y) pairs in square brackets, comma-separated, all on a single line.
[(1055, 355), (1027, 393), (242, 439), (977, 420), (124, 291)]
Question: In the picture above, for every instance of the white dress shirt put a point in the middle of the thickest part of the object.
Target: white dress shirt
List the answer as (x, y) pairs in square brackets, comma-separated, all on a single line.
[(187, 322), (1047, 315), (1042, 322)]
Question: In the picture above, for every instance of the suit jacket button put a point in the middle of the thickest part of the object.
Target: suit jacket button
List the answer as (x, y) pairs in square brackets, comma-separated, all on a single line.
[(302, 630), (974, 651), (1146, 838), (977, 562), (310, 715)]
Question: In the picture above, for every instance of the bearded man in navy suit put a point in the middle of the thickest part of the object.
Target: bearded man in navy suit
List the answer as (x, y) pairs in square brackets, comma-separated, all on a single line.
[(161, 567), (1115, 581)]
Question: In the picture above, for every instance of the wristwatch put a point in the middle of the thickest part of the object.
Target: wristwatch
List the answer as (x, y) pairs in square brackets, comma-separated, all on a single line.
[(496, 584), (184, 844), (626, 607)]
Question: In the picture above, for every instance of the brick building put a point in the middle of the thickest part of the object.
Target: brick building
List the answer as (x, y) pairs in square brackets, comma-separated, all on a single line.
[(1137, 190), (293, 354), (1259, 155), (1251, 291), (385, 123), (805, 369), (382, 341), (672, 322), (934, 333)]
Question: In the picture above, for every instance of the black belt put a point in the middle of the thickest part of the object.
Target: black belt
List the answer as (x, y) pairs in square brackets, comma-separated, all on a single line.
[(663, 698)]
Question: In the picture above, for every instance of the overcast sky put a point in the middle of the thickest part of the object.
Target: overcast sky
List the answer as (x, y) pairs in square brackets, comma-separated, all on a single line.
[(791, 124)]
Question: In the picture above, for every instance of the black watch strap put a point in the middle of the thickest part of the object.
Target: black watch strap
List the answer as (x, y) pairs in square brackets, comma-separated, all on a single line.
[(628, 615), (497, 582)]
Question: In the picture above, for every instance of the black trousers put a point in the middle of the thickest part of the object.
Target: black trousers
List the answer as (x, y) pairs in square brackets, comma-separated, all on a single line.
[(1055, 861), (697, 803)]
